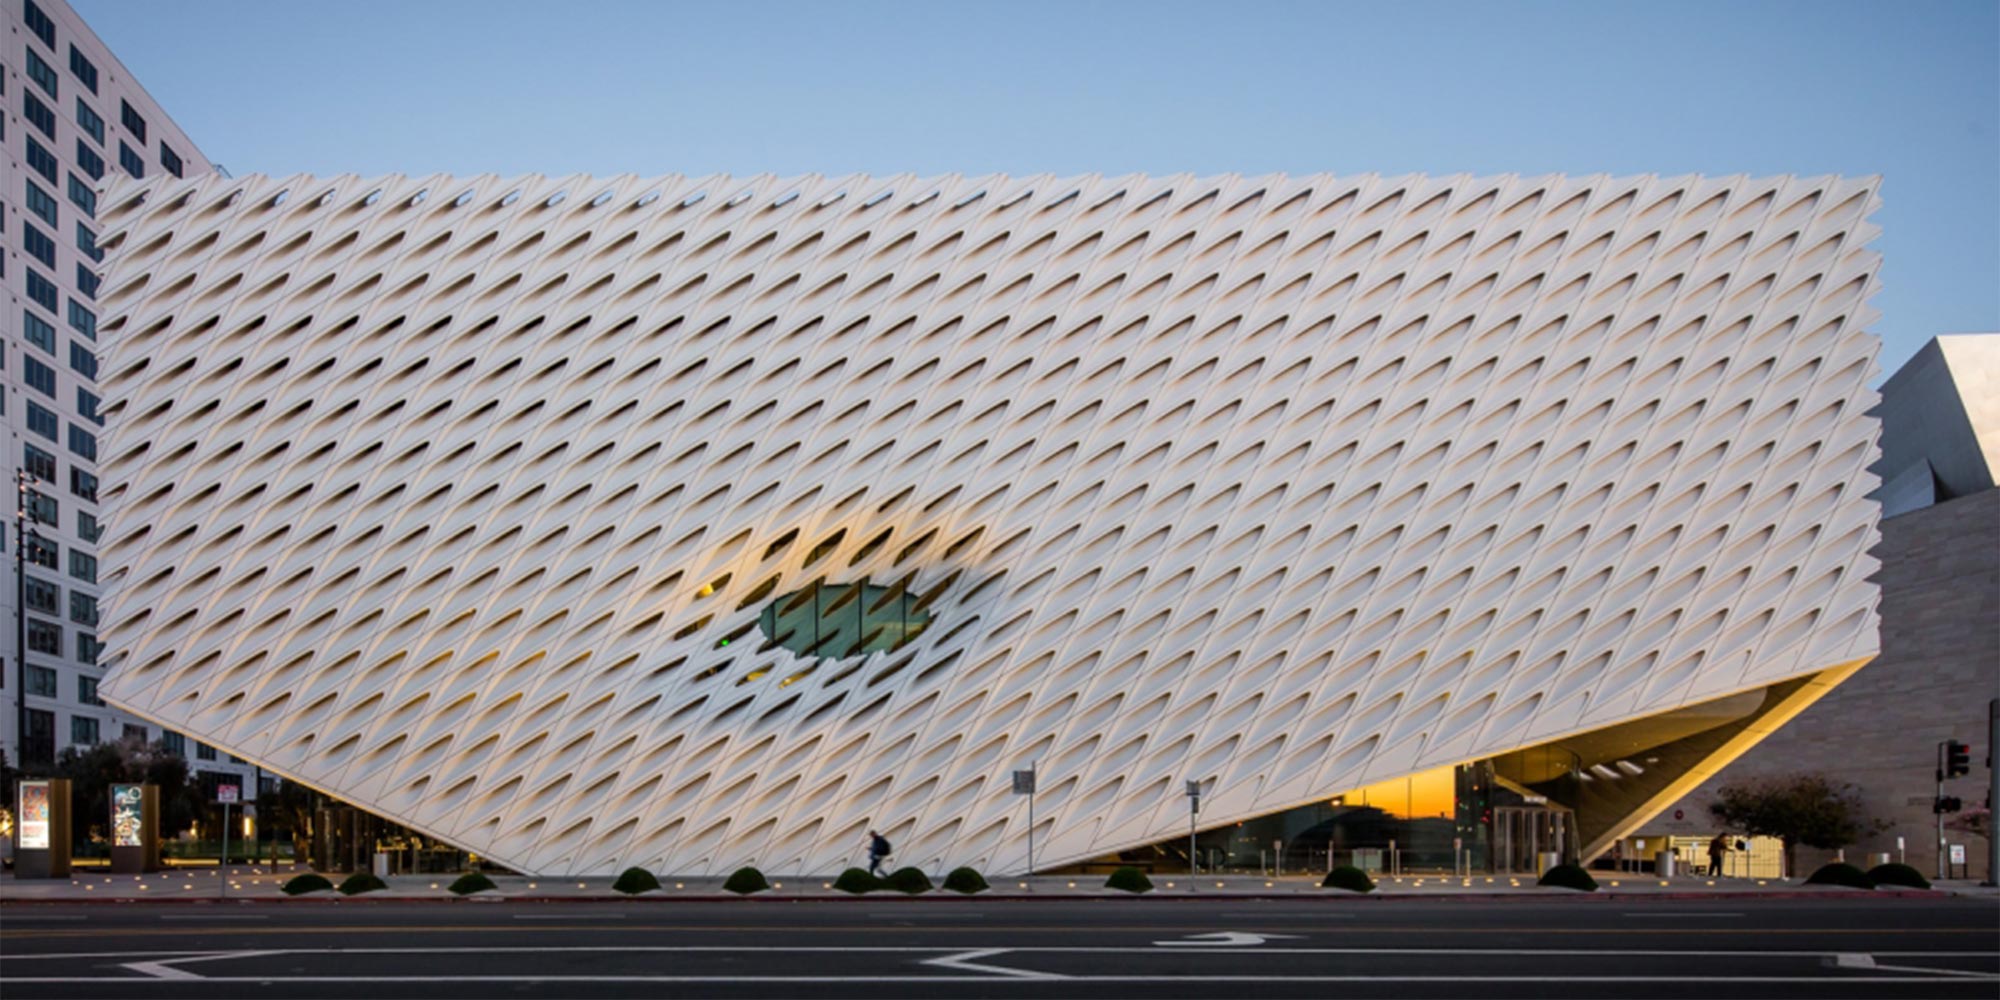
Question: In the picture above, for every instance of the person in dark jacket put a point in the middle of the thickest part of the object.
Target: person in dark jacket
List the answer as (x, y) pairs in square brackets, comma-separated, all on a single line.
[(878, 849)]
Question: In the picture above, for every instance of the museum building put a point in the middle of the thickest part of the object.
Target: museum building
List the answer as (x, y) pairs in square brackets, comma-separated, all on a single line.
[(694, 522)]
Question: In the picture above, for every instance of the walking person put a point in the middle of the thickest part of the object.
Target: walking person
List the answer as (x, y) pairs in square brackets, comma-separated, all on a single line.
[(878, 849), (1717, 850)]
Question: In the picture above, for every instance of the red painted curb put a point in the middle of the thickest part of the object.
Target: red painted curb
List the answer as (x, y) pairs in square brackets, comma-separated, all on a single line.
[(1462, 897)]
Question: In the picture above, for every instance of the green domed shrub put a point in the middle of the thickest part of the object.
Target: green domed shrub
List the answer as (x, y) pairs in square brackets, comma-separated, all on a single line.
[(635, 880), (1350, 878), (910, 881), (857, 881), (746, 880), (309, 882), (1569, 877), (471, 882), (1129, 879), (1841, 873), (361, 882), (1898, 875), (965, 881)]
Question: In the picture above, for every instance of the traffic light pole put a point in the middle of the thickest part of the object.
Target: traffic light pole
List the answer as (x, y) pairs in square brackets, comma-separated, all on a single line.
[(1937, 807), (1992, 792)]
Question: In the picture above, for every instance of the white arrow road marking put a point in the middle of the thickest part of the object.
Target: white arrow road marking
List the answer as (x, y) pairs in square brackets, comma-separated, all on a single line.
[(164, 968), (964, 962), (1222, 939)]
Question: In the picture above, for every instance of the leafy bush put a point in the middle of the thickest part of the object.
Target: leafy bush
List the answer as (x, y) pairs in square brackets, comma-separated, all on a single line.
[(471, 882), (1895, 874), (746, 880), (1841, 873), (633, 881), (908, 880), (1129, 879), (309, 882), (965, 881), (1350, 878), (857, 881), (1569, 877), (361, 882)]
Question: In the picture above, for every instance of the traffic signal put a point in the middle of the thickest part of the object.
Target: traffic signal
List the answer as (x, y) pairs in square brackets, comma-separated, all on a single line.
[(1957, 759), (1946, 804)]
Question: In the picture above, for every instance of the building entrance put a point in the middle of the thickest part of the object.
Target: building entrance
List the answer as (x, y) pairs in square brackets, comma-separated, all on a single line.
[(1528, 840)]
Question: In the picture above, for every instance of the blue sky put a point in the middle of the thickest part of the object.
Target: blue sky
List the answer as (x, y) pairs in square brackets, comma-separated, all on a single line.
[(1909, 90)]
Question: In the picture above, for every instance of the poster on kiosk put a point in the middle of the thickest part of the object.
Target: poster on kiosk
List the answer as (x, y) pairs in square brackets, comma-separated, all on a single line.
[(135, 828), (42, 832)]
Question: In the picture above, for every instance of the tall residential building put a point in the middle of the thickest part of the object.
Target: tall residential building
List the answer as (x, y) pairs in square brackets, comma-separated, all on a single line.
[(74, 118), (692, 522)]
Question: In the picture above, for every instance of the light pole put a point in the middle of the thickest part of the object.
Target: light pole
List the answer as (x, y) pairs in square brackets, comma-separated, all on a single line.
[(23, 519), (1194, 808)]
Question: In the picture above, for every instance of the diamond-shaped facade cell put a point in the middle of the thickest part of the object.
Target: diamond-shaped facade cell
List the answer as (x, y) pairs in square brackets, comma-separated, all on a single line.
[(692, 522)]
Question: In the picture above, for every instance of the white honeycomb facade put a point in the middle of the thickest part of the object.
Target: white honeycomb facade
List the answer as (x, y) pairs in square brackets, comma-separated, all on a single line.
[(443, 494)]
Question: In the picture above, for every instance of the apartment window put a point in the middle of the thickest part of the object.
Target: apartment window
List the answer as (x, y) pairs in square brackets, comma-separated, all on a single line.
[(86, 241), (39, 377), (43, 422), (82, 730), (41, 160), (88, 648), (38, 244), (203, 751), (86, 406), (41, 736), (83, 566), (89, 161), (82, 608), (170, 160), (38, 114), (87, 527), (85, 70), (42, 73), (82, 442), (83, 484), (130, 161), (133, 734), (80, 359), (87, 281), (81, 195), (45, 637), (40, 464), (173, 743), (86, 691), (133, 123), (39, 23), (38, 331), (43, 596), (89, 120), (42, 681), (41, 551), (82, 320), (41, 202)]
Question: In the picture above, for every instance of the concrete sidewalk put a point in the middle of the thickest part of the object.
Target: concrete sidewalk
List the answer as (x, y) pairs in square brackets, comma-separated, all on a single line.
[(263, 884)]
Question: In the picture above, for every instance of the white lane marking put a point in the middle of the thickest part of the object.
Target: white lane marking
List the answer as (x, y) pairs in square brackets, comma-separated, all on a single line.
[(217, 916), (570, 916), (1680, 916), (1852, 960), (964, 962), (38, 918), (1222, 939), (925, 949), (927, 917), (1196, 978), (164, 968), (1266, 915)]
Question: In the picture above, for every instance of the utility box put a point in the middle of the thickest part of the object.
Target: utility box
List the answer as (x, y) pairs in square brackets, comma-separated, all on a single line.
[(1663, 864)]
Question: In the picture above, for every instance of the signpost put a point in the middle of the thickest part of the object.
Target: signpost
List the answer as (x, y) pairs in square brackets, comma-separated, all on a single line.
[(227, 795), (1194, 809), (1024, 784)]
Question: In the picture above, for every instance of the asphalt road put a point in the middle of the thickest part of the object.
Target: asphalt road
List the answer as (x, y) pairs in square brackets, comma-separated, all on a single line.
[(1095, 949)]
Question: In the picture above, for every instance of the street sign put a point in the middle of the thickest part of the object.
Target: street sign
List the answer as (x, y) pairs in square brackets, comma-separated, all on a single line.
[(1958, 854), (226, 794), (1024, 782)]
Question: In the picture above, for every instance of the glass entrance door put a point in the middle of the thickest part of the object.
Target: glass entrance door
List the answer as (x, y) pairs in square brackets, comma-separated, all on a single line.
[(1529, 839)]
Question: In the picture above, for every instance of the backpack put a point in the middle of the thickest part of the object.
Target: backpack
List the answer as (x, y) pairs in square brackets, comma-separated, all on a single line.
[(880, 846)]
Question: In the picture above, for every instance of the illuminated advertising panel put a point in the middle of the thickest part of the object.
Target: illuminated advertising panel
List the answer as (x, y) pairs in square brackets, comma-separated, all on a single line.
[(35, 815), (126, 810)]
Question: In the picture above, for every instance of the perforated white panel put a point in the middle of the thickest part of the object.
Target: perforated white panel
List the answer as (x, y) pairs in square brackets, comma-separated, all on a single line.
[(460, 498)]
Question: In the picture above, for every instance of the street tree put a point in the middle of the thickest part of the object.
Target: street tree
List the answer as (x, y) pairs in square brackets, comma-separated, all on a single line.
[(1807, 809)]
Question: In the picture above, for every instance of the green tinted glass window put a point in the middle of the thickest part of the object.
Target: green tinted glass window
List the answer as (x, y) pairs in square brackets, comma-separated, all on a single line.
[(835, 621)]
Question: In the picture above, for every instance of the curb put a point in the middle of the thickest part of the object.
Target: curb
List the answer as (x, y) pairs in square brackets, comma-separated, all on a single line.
[(1388, 899)]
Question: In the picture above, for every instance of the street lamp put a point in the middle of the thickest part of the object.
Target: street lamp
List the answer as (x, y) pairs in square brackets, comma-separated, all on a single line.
[(24, 519)]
